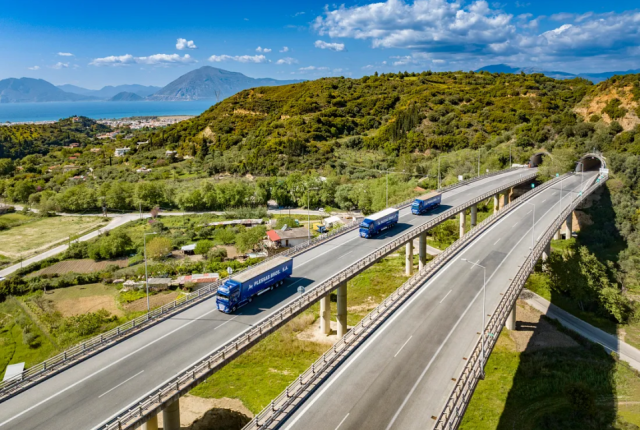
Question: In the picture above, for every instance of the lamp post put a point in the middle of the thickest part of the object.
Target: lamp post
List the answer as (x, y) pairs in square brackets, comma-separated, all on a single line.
[(438, 172), (146, 275), (533, 222), (478, 164), (309, 213), (484, 313)]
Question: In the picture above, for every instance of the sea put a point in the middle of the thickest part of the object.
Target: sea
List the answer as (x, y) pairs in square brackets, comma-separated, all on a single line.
[(53, 111)]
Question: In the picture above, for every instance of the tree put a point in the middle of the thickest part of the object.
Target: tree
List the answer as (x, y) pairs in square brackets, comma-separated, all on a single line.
[(203, 246), (159, 247), (6, 166), (248, 239), (288, 221)]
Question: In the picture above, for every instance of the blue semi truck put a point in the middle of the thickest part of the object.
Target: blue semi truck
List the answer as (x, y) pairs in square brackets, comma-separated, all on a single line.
[(426, 202), (241, 289), (374, 224)]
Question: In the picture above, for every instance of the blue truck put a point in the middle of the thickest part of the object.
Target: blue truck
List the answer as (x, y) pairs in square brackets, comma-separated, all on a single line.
[(241, 289), (374, 224), (426, 202)]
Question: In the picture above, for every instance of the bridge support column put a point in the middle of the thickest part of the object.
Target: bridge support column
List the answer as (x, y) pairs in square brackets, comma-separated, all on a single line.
[(569, 226), (496, 203), (171, 416), (342, 309), (474, 215), (325, 315), (408, 255), (151, 424), (547, 252), (463, 220), (511, 319), (558, 234), (509, 195), (505, 199), (422, 250)]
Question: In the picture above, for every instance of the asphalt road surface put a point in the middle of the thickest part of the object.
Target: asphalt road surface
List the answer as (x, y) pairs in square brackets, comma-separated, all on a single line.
[(401, 376), (90, 393)]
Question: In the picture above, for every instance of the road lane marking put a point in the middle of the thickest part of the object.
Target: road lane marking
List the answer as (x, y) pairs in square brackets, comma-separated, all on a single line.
[(332, 249), (404, 344), (120, 384), (227, 321), (515, 225), (497, 242), (343, 420), (530, 211), (446, 296)]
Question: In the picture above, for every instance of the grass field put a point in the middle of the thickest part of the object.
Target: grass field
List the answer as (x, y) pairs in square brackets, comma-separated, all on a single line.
[(80, 266), (81, 299), (41, 232)]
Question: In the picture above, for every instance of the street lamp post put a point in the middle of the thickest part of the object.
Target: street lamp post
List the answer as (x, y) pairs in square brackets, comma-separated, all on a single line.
[(309, 213), (438, 172), (484, 312), (533, 222), (146, 275), (478, 164)]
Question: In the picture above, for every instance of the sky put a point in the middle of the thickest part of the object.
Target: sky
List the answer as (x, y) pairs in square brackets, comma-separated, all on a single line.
[(93, 44)]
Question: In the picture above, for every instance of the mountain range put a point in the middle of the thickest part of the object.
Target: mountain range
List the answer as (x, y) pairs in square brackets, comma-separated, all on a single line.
[(110, 91), (593, 77)]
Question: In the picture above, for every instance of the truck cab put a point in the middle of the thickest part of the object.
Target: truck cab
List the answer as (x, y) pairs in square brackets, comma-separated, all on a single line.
[(366, 228), (228, 299)]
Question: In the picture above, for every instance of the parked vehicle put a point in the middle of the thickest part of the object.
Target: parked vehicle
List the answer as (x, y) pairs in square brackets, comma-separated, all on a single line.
[(376, 223), (241, 289), (319, 227), (426, 202)]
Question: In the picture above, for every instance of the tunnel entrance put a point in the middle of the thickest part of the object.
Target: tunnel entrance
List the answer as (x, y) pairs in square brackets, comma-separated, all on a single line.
[(591, 162), (537, 158)]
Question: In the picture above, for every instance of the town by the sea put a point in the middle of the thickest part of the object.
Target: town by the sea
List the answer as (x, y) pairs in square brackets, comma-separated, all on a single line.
[(53, 111)]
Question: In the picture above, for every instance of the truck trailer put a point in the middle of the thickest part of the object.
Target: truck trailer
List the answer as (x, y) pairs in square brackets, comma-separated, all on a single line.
[(374, 224), (241, 289), (426, 202)]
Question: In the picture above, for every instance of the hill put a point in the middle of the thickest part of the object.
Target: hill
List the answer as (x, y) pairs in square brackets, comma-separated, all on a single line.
[(210, 83), (28, 90), (126, 97), (110, 91), (593, 77)]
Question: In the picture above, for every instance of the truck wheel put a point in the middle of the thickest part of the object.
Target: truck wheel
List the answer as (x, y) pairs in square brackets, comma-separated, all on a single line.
[(271, 288), (233, 309), (250, 299)]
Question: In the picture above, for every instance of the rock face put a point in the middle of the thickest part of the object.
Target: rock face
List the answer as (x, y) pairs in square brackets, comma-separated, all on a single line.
[(126, 97), (210, 83), (28, 90)]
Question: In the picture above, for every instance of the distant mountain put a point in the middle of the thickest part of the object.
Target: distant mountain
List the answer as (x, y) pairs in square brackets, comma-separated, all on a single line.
[(126, 97), (593, 77), (26, 90), (109, 91), (203, 83)]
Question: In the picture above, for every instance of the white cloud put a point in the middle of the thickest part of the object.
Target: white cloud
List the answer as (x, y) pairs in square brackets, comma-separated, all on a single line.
[(65, 54), (562, 16), (60, 65), (152, 60), (265, 50), (185, 44), (34, 68), (285, 49), (287, 60), (238, 58), (331, 46), (311, 68)]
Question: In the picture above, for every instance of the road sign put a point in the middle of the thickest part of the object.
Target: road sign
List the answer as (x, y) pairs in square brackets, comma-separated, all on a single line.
[(301, 289), (229, 270), (533, 185)]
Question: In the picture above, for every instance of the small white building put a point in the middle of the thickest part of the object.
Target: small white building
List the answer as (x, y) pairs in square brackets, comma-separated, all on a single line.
[(120, 152), (332, 221)]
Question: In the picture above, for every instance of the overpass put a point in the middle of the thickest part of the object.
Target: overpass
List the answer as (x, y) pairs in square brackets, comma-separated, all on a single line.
[(123, 378), (414, 362)]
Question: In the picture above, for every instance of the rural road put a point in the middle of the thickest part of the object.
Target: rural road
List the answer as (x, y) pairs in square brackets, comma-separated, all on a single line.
[(610, 342)]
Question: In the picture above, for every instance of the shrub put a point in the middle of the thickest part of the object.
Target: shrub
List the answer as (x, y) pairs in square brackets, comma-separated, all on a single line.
[(217, 253), (159, 247), (203, 246)]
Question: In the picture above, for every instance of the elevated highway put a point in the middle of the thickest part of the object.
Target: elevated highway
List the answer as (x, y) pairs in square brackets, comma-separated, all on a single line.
[(93, 392)]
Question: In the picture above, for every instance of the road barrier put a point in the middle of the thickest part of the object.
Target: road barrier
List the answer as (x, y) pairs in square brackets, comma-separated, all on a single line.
[(155, 402), (459, 399)]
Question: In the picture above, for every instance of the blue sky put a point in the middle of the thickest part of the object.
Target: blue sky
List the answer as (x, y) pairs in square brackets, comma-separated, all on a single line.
[(92, 44)]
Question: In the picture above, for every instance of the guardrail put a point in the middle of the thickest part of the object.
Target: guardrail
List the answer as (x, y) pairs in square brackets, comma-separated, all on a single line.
[(292, 397), (155, 402), (459, 399), (86, 349)]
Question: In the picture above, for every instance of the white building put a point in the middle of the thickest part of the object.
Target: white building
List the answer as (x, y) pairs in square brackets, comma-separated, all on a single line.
[(121, 151)]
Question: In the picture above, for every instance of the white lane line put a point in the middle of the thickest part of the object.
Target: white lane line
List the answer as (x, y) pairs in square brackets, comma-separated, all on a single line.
[(343, 420), (515, 225), (105, 368), (446, 296), (497, 242), (529, 212), (544, 200), (403, 345), (120, 384), (226, 322)]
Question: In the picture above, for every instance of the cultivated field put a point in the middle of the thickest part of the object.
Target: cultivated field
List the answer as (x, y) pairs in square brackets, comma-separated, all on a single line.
[(80, 266), (81, 299), (40, 233)]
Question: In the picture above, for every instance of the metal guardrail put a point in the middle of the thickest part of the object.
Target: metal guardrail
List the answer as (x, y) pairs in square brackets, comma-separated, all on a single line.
[(456, 404), (292, 397), (90, 347), (137, 414)]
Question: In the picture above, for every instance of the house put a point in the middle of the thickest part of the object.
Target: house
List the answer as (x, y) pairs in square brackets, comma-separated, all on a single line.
[(95, 150), (74, 145), (158, 284), (332, 221), (142, 143), (170, 153), (120, 152), (188, 249), (131, 285), (143, 169), (287, 238)]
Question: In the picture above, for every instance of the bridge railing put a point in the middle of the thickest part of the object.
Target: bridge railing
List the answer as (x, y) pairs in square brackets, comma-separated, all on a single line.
[(89, 347), (184, 382), (459, 399)]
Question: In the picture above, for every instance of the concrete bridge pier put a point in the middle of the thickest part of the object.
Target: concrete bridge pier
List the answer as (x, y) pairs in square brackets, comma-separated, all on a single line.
[(511, 319), (474, 215), (547, 252), (496, 203), (568, 226), (463, 221), (171, 416), (325, 315), (408, 256), (558, 234), (151, 424), (342, 309), (505, 199), (422, 250)]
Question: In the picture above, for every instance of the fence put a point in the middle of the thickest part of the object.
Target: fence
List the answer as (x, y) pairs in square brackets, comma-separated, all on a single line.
[(184, 382), (460, 397)]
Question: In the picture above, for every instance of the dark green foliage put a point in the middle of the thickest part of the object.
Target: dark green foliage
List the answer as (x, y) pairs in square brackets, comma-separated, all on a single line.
[(614, 109), (112, 244)]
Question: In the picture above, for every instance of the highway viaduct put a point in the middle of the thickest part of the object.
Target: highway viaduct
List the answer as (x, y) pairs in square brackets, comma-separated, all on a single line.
[(159, 364), (418, 368)]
